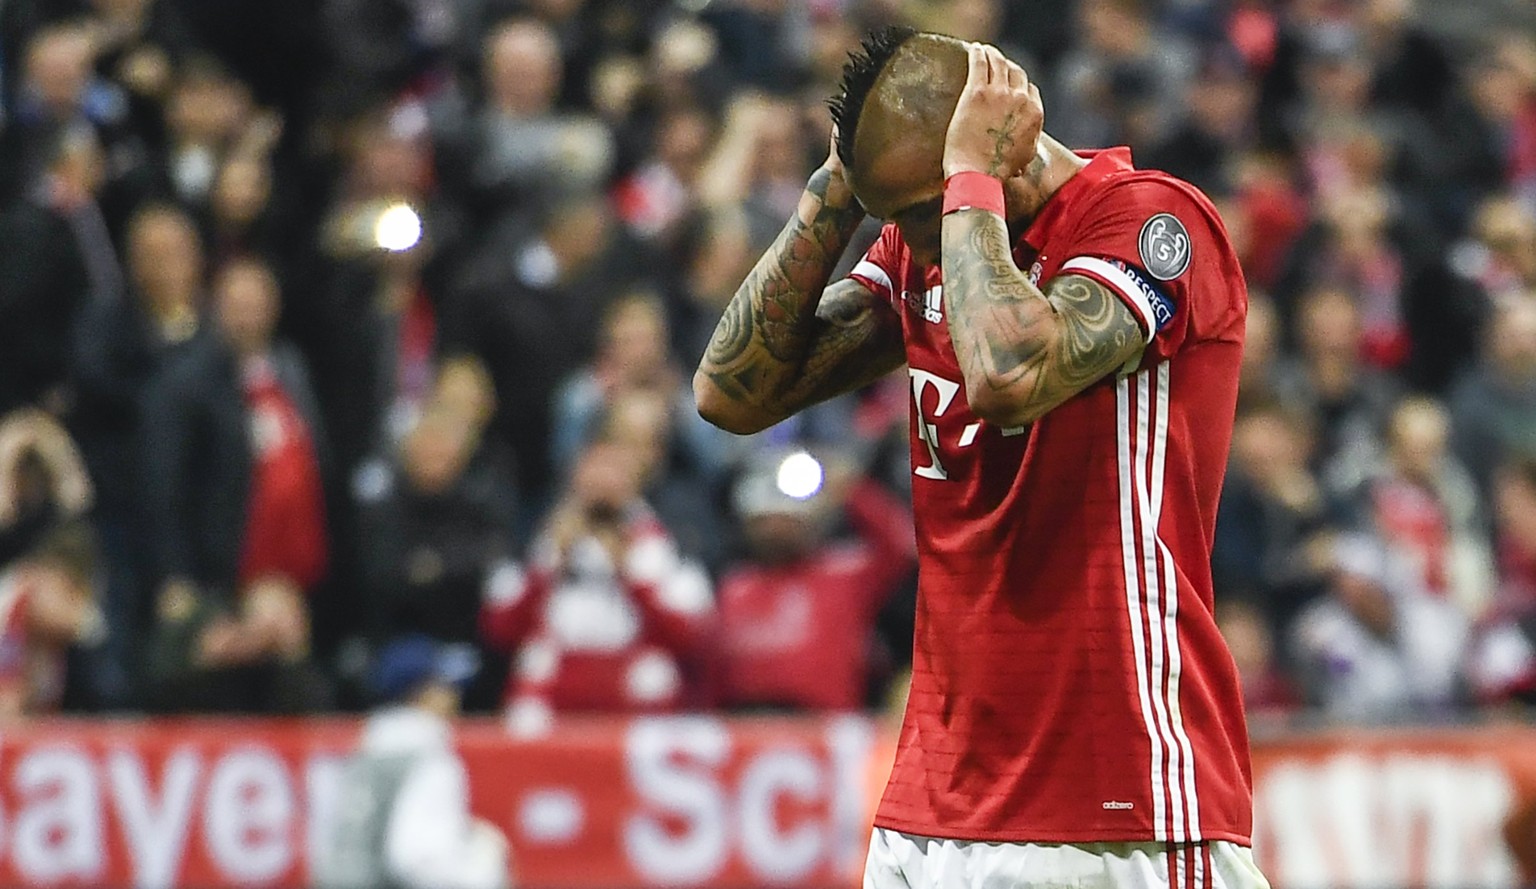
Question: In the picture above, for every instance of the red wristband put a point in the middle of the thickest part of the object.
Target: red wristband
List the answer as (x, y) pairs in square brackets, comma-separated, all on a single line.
[(974, 191)]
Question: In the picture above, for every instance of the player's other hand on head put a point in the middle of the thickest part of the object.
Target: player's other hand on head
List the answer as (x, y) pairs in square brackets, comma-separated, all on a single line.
[(834, 161), (998, 120), (839, 191)]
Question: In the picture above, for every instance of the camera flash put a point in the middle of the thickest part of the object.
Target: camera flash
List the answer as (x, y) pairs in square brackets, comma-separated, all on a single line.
[(398, 228), (800, 476)]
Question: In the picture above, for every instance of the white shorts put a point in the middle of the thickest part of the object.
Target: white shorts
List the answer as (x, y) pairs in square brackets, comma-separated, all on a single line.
[(901, 861)]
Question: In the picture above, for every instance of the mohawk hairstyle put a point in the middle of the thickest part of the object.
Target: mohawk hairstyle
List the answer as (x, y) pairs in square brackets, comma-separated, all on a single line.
[(859, 74)]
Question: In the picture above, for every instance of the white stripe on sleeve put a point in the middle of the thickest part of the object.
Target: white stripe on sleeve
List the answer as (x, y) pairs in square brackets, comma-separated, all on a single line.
[(1113, 276), (872, 272)]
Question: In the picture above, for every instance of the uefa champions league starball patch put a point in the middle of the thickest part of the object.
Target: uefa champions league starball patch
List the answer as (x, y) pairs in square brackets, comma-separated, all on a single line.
[(1164, 246)]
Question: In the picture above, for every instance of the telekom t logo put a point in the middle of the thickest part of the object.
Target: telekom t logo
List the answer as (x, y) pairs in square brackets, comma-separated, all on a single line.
[(929, 432)]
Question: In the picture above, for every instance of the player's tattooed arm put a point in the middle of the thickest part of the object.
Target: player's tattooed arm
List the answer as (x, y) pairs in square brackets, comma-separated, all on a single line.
[(1023, 351), (787, 340)]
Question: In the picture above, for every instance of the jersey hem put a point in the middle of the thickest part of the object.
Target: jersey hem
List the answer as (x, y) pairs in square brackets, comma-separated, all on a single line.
[(1067, 838)]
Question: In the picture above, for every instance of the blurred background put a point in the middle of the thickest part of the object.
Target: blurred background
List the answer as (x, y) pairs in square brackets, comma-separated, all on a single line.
[(324, 322)]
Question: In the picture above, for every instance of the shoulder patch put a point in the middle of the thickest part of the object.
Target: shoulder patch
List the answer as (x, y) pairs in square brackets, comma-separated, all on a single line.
[(1164, 247)]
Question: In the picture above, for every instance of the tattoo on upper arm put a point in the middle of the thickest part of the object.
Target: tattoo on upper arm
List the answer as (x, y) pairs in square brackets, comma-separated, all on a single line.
[(782, 343), (1041, 347), (1099, 334)]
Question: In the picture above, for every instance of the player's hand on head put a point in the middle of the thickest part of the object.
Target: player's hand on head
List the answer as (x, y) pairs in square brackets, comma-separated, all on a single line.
[(997, 122), (834, 163), (839, 191)]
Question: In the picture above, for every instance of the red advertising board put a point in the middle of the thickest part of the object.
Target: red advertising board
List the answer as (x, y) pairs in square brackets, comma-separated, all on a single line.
[(1391, 808), (693, 801)]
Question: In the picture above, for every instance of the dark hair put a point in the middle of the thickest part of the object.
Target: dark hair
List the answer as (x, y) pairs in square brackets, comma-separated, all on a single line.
[(859, 74)]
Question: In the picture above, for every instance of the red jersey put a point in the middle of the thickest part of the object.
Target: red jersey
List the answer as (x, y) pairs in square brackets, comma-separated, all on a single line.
[(799, 634), (595, 633), (1069, 684)]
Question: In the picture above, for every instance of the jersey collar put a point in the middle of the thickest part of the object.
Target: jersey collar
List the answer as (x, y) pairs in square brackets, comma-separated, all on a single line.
[(1101, 164)]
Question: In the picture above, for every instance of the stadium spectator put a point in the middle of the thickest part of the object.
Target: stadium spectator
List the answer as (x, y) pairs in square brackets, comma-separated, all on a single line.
[(757, 162), (1351, 246), (404, 813), (235, 505), (1450, 302), (1412, 69), (207, 114), (379, 49), (686, 67), (761, 42), (1499, 259), (514, 143), (46, 484), (1274, 512), (119, 345), (1502, 85), (58, 258), (605, 615), (632, 356), (797, 619), (1494, 407), (656, 198), (1379, 646), (1501, 667), (1515, 508), (1328, 381), (720, 256), (525, 309), (240, 219), (1217, 120), (121, 342), (1125, 81), (1266, 214), (47, 606), (1269, 696), (463, 390), (433, 535), (138, 44), (1426, 507), (43, 481), (57, 90), (682, 491), (383, 313), (1261, 345), (387, 160)]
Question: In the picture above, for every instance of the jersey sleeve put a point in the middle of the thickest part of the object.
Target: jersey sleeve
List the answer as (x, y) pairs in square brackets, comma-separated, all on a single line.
[(880, 267), (1161, 251)]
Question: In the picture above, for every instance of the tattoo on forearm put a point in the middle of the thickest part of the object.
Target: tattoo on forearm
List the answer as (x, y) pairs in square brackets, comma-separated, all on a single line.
[(772, 349), (1041, 348)]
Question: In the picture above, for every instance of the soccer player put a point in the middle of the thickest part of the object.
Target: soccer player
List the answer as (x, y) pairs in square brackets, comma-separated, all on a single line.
[(1072, 328)]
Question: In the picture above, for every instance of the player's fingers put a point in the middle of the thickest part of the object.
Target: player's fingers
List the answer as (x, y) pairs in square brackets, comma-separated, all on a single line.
[(1017, 79), (980, 71), (997, 63)]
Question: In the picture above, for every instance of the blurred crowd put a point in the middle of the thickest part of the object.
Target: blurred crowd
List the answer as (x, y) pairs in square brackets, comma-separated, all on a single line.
[(324, 324)]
